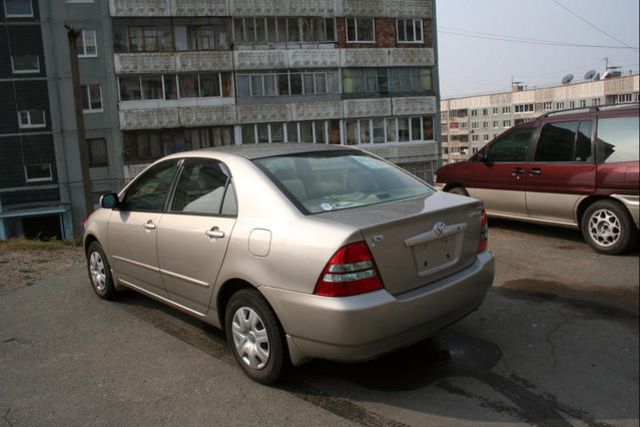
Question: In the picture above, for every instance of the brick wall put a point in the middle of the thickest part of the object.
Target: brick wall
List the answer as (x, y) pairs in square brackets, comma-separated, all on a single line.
[(386, 35)]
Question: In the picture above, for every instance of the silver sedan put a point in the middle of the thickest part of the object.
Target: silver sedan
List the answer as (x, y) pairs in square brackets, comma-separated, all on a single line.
[(296, 251)]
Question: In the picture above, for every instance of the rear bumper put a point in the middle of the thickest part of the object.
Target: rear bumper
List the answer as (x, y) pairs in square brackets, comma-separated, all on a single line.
[(366, 326)]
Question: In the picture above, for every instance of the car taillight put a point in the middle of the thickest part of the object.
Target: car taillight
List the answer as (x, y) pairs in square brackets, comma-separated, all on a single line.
[(351, 271), (483, 244)]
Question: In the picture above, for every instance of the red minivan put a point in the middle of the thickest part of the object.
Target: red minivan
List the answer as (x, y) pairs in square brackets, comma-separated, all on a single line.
[(572, 168)]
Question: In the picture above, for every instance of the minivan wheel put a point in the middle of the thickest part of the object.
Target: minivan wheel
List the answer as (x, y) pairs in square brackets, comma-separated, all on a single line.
[(458, 190), (608, 228), (255, 336), (100, 272)]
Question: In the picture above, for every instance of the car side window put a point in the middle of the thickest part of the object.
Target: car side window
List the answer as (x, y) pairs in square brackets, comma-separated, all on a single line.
[(149, 192), (512, 147), (618, 139), (229, 205), (565, 142), (200, 189)]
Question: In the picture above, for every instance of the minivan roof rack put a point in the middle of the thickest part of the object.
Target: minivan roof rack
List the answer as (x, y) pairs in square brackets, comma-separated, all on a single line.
[(590, 109)]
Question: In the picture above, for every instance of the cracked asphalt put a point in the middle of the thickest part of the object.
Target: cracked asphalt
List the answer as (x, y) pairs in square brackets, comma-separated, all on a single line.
[(555, 343)]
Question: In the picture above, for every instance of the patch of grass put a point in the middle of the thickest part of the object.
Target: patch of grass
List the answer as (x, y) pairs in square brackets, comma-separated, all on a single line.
[(33, 245)]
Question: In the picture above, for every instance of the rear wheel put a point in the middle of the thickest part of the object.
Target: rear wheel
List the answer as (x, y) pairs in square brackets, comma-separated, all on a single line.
[(608, 227), (255, 336), (458, 190)]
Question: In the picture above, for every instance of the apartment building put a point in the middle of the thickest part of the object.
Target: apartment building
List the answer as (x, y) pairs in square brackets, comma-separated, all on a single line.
[(30, 200), (210, 73), (468, 123), (164, 76)]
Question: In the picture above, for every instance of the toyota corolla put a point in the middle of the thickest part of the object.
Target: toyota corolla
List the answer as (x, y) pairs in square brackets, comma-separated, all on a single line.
[(296, 251)]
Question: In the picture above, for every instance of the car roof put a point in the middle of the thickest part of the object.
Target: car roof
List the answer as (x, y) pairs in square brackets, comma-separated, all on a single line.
[(257, 151)]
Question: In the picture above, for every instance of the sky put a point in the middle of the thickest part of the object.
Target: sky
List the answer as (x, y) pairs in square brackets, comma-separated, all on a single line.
[(473, 65)]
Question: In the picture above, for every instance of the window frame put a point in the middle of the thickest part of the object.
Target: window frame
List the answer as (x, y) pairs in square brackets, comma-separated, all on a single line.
[(84, 43), (43, 179), (6, 15), (90, 152), (413, 23), (90, 110), (176, 181), (30, 125), (29, 71), (355, 26)]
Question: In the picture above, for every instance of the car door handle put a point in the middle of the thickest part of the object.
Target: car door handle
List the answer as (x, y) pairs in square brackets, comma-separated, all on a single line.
[(215, 233), (535, 171), (517, 171), (149, 225)]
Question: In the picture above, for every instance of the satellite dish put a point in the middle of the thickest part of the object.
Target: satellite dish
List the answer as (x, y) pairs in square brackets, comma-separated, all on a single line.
[(567, 79), (590, 74)]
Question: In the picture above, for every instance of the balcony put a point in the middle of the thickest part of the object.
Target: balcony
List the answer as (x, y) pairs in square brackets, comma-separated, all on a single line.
[(165, 62)]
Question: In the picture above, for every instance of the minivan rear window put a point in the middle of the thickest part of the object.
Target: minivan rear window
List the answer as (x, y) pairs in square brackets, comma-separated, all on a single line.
[(618, 139), (331, 181)]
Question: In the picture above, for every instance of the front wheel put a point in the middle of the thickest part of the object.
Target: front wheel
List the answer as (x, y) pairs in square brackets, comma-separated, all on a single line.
[(255, 336), (608, 227), (100, 272)]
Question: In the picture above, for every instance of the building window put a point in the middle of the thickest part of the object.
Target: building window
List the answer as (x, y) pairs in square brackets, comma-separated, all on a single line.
[(376, 80), (86, 44), (287, 83), (547, 106), (171, 86), (583, 103), (595, 102), (506, 110), (360, 30), (393, 129), (572, 104), (524, 108), (409, 30), (279, 30), (97, 148), (23, 64), (485, 125), (29, 119), (475, 125), (474, 113), (626, 97), (485, 111), (39, 172), (475, 138), (495, 111), (506, 123), (559, 105), (18, 8), (146, 39), (146, 146), (318, 132), (496, 124), (91, 98), (485, 137)]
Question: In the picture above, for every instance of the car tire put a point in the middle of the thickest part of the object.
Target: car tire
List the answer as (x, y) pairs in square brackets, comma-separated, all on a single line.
[(100, 272), (255, 336), (608, 227), (458, 190)]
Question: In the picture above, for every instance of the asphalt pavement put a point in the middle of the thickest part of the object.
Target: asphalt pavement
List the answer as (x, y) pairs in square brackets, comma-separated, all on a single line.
[(555, 343)]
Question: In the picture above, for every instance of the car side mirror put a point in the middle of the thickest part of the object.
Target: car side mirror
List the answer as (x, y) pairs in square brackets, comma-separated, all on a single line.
[(109, 201)]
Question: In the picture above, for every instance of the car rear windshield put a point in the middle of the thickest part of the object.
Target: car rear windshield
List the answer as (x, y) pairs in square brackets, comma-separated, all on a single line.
[(330, 181)]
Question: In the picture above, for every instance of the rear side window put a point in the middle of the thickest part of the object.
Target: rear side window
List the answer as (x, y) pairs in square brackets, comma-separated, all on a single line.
[(564, 142), (200, 189), (323, 182), (512, 147), (618, 140)]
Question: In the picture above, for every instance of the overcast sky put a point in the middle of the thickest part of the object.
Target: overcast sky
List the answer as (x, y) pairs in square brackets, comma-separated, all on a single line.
[(470, 65)]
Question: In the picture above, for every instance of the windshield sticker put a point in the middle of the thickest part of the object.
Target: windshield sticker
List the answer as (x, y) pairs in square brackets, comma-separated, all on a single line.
[(370, 162), (326, 206)]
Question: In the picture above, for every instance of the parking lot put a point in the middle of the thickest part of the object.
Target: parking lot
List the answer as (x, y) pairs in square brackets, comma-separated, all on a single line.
[(555, 343)]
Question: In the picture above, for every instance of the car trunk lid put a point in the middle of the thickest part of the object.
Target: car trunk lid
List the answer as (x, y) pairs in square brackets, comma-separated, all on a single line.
[(420, 240)]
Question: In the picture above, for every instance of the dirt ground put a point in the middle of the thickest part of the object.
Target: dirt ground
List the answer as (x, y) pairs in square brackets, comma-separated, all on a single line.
[(25, 262)]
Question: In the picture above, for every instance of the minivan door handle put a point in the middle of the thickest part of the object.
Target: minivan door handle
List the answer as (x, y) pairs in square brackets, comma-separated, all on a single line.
[(215, 233), (517, 171), (535, 171), (149, 225)]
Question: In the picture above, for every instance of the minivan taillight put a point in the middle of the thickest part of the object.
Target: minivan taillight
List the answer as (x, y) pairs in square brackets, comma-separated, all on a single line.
[(351, 271), (483, 244)]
